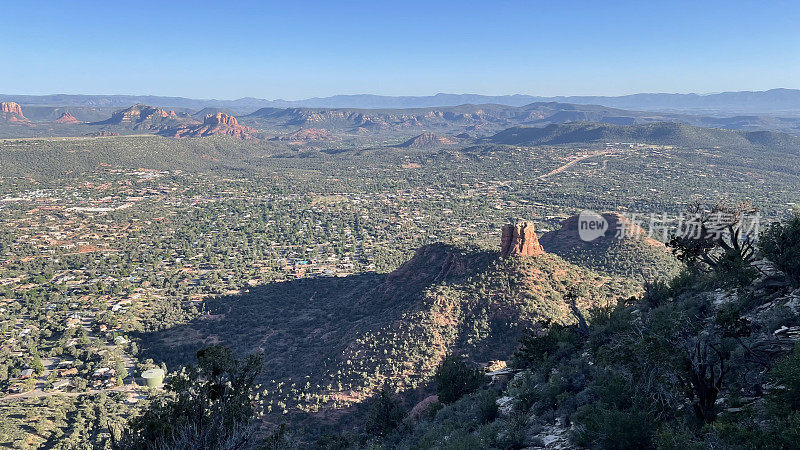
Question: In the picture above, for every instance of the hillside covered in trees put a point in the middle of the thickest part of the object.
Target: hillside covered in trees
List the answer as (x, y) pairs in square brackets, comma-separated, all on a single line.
[(331, 343), (365, 271), (707, 359)]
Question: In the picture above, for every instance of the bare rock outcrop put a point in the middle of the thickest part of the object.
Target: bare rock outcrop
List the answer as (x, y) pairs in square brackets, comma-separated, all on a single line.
[(519, 240), (213, 124), (147, 118), (423, 406), (12, 113), (11, 108), (67, 118)]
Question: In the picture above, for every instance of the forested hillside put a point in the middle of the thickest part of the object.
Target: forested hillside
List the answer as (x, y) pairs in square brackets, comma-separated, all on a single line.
[(332, 343), (655, 133), (707, 359), (128, 253)]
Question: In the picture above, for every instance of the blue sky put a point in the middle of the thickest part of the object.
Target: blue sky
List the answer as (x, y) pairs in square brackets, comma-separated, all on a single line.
[(298, 49)]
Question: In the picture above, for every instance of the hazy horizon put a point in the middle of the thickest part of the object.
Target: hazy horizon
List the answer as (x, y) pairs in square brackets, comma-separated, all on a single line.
[(124, 94)]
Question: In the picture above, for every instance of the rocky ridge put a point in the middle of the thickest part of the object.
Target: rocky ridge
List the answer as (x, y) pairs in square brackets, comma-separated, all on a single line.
[(426, 140), (147, 118), (213, 124)]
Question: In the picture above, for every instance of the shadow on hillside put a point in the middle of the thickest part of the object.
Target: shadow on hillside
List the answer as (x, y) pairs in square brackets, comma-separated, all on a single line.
[(292, 321), (303, 326), (275, 318)]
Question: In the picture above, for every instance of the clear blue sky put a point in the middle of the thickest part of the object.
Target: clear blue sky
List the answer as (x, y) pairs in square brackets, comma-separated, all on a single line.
[(298, 49)]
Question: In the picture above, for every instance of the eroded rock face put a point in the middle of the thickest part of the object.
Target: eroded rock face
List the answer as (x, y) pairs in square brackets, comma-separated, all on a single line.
[(423, 405), (147, 118), (11, 113), (11, 108), (365, 121), (67, 118), (519, 240), (102, 133), (214, 124), (221, 119)]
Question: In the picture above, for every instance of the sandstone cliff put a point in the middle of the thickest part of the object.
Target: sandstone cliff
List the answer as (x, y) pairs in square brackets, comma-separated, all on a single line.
[(143, 117), (520, 240), (11, 112), (11, 108), (67, 118), (213, 124)]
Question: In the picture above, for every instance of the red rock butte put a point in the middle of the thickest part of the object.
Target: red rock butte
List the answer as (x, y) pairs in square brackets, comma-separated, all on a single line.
[(519, 240), (67, 118), (220, 119), (11, 112), (11, 108), (214, 124)]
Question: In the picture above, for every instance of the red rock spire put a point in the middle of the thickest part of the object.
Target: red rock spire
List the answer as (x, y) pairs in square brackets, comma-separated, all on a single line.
[(520, 240)]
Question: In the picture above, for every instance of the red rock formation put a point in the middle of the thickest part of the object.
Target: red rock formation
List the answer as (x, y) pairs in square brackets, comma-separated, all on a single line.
[(213, 124), (143, 117), (67, 118), (11, 108), (221, 119), (520, 240), (12, 113)]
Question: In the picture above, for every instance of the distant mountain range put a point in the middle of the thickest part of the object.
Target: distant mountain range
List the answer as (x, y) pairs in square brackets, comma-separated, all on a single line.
[(464, 121), (661, 133), (485, 120), (774, 101)]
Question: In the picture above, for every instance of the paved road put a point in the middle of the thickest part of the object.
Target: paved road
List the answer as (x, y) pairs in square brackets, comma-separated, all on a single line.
[(571, 163)]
